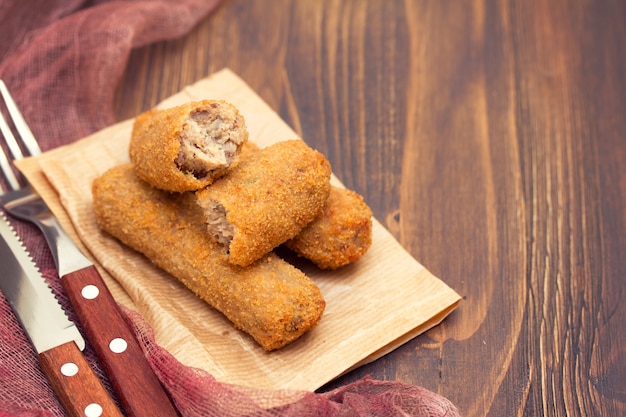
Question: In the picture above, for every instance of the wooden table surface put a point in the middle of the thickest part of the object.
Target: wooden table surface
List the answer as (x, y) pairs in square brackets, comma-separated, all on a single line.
[(489, 137)]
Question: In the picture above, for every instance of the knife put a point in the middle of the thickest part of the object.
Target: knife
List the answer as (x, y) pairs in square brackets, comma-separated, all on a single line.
[(56, 339), (135, 383)]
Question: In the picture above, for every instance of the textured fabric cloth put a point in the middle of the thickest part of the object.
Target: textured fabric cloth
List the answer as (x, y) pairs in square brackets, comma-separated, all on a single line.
[(62, 61)]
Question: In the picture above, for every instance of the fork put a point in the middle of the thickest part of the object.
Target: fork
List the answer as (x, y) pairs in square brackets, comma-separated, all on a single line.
[(134, 382)]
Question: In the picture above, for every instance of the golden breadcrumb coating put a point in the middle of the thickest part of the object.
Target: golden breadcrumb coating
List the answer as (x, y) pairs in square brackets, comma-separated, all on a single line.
[(271, 300), (340, 235), (267, 199), (186, 148)]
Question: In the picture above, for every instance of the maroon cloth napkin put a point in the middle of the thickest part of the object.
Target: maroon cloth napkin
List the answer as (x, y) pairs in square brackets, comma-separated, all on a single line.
[(62, 61)]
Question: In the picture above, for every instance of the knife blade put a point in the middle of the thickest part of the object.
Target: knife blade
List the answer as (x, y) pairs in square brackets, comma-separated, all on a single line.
[(56, 339)]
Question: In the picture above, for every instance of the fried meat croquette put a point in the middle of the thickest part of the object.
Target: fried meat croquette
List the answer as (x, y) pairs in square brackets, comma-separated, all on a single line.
[(271, 300), (266, 200), (186, 148), (340, 235)]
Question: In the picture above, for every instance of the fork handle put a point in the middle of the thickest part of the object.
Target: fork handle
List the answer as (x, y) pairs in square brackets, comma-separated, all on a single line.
[(133, 380)]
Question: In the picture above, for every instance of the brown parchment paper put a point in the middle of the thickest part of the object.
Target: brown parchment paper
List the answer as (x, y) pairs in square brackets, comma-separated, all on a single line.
[(373, 306)]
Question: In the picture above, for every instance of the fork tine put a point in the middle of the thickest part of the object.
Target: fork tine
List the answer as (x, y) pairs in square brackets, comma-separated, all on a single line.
[(9, 139), (5, 165), (20, 124), (7, 172)]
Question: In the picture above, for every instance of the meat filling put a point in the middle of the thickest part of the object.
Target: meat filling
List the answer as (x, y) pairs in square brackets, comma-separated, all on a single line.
[(217, 225), (209, 140)]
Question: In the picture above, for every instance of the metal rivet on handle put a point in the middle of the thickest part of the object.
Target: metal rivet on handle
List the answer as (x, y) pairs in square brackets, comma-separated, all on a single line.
[(118, 345), (69, 369), (93, 410), (89, 292)]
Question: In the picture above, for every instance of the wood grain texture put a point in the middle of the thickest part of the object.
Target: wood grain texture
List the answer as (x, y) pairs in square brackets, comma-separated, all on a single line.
[(78, 389), (488, 137)]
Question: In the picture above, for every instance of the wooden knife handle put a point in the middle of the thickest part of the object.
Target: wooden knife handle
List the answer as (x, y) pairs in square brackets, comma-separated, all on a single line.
[(80, 391), (136, 385)]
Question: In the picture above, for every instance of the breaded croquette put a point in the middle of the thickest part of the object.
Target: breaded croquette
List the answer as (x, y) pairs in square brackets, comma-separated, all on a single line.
[(340, 235), (271, 300), (186, 148), (267, 199)]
